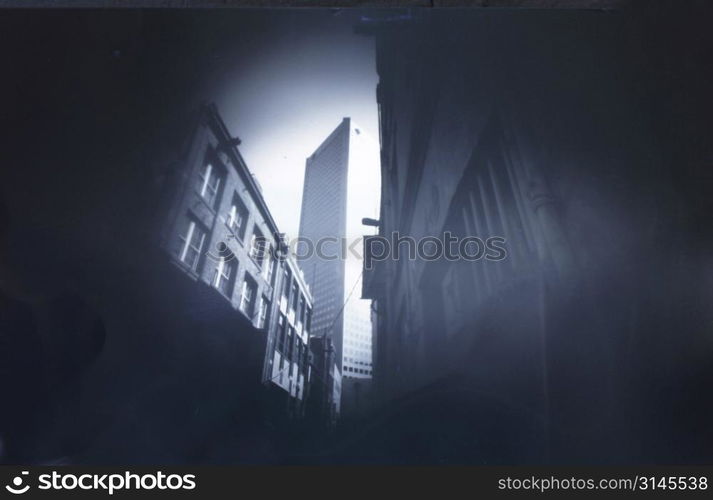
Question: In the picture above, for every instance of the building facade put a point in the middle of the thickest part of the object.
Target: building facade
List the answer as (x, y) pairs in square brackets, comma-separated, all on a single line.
[(221, 234), (531, 128), (288, 354), (340, 187), (322, 408)]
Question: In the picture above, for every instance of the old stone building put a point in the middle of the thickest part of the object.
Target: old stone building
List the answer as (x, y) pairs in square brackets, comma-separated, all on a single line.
[(220, 233)]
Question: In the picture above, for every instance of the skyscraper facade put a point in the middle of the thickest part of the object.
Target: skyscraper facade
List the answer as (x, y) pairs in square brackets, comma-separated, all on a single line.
[(341, 187)]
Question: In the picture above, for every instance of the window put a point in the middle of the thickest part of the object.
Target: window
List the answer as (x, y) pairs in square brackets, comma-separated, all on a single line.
[(308, 320), (210, 182), (257, 246), (295, 294), (281, 332), (301, 310), (225, 274), (191, 239), (238, 216), (270, 267), (264, 308), (247, 300), (287, 285), (290, 343), (301, 358)]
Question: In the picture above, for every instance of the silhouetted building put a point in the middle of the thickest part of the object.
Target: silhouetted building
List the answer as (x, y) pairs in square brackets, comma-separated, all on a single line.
[(325, 387), (529, 126)]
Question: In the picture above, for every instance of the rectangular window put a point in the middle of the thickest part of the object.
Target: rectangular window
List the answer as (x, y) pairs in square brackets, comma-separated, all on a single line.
[(300, 356), (269, 266), (301, 310), (224, 275), (192, 240), (308, 320), (209, 184), (247, 299), (286, 287), (295, 294), (281, 332), (257, 246), (264, 309), (238, 217), (290, 343)]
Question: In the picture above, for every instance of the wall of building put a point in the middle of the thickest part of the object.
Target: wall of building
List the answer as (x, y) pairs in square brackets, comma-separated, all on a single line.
[(531, 126), (232, 244), (323, 216), (280, 304), (289, 358)]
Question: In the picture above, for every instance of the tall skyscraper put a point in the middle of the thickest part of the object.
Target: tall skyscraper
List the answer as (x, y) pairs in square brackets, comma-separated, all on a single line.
[(341, 187)]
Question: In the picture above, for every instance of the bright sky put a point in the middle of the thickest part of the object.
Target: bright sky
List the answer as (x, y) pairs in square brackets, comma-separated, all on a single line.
[(307, 70)]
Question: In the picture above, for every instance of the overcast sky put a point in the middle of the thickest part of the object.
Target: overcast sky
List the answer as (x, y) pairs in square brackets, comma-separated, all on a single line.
[(288, 83)]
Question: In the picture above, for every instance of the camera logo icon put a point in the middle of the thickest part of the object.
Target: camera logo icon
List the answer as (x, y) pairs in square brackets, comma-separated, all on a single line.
[(16, 488)]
